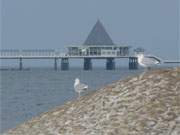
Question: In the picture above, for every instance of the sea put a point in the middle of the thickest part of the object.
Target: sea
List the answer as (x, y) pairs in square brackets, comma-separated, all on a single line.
[(28, 93)]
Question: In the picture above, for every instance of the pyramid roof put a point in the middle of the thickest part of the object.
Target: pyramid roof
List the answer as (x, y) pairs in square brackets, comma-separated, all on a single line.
[(98, 36)]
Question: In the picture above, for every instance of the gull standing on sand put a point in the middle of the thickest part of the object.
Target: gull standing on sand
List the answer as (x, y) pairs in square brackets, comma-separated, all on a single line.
[(79, 87), (147, 61)]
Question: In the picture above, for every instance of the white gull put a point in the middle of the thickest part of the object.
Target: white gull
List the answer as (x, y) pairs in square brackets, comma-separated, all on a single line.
[(147, 61), (79, 87)]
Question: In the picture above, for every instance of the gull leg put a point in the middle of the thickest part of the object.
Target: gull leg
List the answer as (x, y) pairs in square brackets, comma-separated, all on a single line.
[(142, 75), (79, 94)]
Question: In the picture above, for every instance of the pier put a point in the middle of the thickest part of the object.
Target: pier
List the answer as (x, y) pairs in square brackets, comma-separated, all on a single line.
[(98, 45), (22, 55)]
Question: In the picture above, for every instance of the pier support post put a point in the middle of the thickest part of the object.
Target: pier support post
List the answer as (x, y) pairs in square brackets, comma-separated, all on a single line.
[(133, 63), (110, 64), (87, 64), (64, 64), (55, 63), (20, 64)]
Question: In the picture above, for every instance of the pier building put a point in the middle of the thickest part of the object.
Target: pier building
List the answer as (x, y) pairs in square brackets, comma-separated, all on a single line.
[(100, 45)]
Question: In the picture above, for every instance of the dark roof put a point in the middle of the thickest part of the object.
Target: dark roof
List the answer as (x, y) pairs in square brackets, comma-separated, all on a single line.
[(98, 36)]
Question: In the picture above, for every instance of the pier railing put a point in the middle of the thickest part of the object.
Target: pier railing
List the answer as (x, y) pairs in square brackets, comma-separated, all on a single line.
[(13, 54), (30, 54)]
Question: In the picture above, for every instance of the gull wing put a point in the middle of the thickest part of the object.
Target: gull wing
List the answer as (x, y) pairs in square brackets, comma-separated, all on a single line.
[(81, 86), (149, 61), (155, 59)]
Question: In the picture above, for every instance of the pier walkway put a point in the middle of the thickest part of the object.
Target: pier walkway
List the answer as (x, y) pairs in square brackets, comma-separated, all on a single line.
[(55, 55), (22, 55)]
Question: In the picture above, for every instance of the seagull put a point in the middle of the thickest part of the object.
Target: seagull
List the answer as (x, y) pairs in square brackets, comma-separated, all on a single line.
[(147, 61), (79, 87)]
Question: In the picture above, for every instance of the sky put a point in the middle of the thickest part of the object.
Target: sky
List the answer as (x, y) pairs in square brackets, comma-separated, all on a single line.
[(55, 24)]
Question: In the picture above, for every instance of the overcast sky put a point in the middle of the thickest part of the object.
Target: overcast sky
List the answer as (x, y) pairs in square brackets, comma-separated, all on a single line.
[(54, 24)]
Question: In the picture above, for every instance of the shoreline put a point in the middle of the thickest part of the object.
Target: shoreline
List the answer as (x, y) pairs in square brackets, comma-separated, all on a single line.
[(102, 101)]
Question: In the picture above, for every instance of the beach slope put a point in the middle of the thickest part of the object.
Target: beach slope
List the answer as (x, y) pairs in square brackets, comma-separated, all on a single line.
[(139, 105)]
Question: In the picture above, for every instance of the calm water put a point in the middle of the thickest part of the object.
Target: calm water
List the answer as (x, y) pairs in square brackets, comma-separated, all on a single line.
[(25, 94)]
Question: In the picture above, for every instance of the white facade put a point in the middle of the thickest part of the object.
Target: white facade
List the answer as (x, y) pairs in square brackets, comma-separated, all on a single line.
[(95, 50)]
